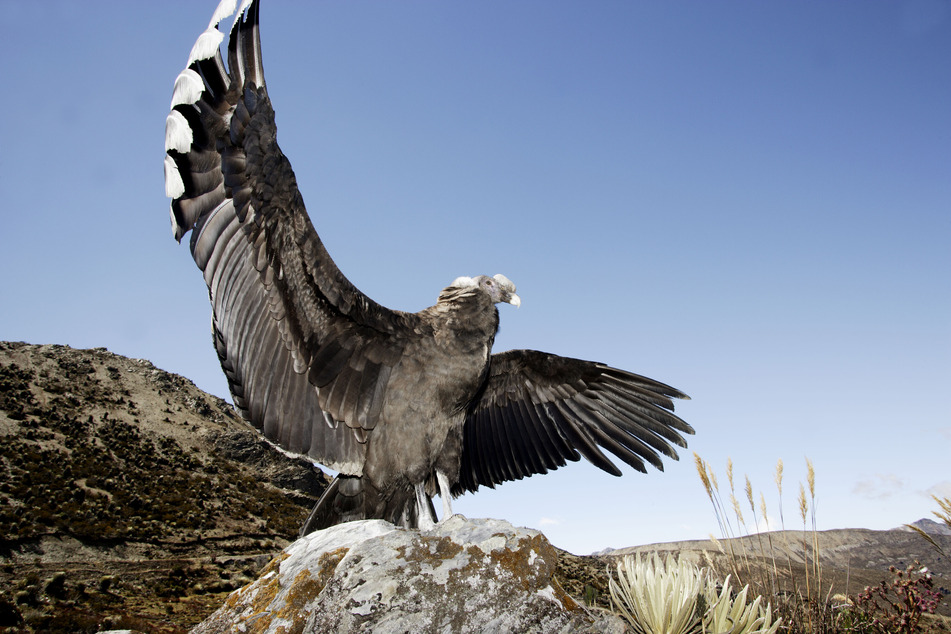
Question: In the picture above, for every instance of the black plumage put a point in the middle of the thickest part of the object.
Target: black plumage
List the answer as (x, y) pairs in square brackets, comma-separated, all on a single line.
[(402, 405)]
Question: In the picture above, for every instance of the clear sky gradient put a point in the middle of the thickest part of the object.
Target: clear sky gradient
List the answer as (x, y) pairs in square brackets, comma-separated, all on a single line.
[(749, 201)]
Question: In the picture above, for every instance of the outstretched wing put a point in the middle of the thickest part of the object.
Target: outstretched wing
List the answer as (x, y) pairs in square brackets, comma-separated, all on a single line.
[(302, 348), (538, 410)]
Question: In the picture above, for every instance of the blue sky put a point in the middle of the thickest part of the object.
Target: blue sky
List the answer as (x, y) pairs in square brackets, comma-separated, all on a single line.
[(749, 201)]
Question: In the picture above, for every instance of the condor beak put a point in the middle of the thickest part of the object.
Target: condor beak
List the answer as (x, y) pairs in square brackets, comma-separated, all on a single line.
[(515, 300)]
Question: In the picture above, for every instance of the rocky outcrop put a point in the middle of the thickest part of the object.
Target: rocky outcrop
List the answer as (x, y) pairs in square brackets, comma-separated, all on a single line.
[(462, 576)]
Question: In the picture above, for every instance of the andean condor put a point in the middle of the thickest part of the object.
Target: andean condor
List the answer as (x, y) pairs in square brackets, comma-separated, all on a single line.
[(402, 405)]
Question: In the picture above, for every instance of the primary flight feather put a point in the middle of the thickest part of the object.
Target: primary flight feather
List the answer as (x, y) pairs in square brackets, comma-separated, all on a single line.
[(402, 405)]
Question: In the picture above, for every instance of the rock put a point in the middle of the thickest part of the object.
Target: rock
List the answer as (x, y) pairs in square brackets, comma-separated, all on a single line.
[(56, 586), (370, 576)]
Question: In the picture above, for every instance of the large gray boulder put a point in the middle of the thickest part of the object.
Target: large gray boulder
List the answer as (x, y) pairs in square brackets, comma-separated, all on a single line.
[(370, 576)]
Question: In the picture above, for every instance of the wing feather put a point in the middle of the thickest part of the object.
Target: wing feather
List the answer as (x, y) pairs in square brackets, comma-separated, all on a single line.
[(253, 336), (507, 442), (488, 446), (627, 447), (499, 466), (665, 433), (537, 411), (280, 364), (547, 442), (301, 347), (643, 441), (559, 444), (524, 457), (581, 437)]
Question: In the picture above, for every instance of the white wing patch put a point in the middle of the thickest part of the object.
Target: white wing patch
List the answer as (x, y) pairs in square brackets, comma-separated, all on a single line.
[(206, 46), (174, 186), (225, 8), (178, 134), (188, 88)]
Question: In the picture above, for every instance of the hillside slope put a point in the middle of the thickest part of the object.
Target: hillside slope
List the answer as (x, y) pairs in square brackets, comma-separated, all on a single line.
[(839, 549), (136, 497)]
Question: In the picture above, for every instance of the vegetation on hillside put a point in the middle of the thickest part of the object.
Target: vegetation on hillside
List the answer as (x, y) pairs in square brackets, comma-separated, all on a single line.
[(128, 497), (804, 600)]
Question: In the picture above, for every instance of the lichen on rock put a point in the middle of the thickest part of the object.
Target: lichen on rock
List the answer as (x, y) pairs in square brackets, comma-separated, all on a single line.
[(370, 576)]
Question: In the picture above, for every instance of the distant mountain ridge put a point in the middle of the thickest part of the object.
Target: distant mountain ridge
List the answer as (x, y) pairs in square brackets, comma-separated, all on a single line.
[(850, 559), (845, 548), (929, 526)]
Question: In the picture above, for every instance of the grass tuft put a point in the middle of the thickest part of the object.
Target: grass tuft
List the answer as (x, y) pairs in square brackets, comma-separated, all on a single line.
[(893, 606)]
